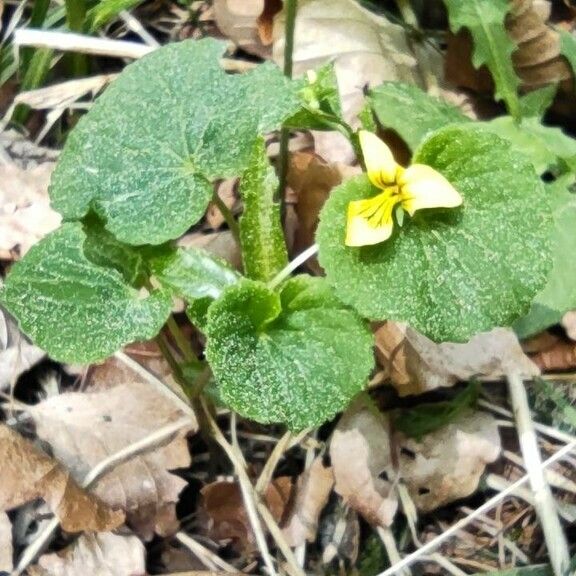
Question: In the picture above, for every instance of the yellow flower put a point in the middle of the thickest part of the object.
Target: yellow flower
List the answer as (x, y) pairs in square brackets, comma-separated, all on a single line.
[(371, 221)]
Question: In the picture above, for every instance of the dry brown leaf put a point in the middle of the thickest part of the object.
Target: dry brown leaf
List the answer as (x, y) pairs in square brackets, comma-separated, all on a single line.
[(417, 365), (246, 23), (25, 213), (312, 493), (561, 356), (446, 464), (223, 505), (83, 429), (6, 549), (537, 60), (361, 460), (226, 191), (17, 354), (221, 244), (103, 554), (569, 324), (366, 50), (28, 473), (311, 179)]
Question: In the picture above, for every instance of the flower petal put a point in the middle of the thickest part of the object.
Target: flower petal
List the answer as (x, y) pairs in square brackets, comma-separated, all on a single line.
[(422, 187), (370, 221), (380, 164)]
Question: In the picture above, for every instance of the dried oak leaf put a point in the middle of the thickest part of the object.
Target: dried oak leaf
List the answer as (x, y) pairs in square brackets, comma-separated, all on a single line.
[(312, 493), (25, 213), (28, 474), (361, 460), (223, 507), (569, 324), (85, 428), (17, 354), (103, 554), (6, 549), (446, 464), (416, 364)]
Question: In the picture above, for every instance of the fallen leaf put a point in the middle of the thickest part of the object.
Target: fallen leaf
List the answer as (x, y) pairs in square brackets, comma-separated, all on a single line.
[(242, 21), (6, 550), (103, 554), (417, 364), (312, 493), (223, 505), (25, 213), (569, 324), (365, 49), (340, 535), (83, 429), (17, 354), (221, 244), (446, 464), (28, 473), (360, 452), (560, 356), (226, 191)]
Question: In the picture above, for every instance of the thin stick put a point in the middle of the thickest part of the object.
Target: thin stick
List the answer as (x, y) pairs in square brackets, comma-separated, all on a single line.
[(181, 340), (208, 558), (293, 265), (150, 442), (387, 539), (272, 462), (290, 7), (543, 500), (452, 530)]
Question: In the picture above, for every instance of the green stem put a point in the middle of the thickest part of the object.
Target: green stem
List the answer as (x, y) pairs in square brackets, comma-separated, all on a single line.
[(181, 340), (290, 7), (75, 19), (228, 216)]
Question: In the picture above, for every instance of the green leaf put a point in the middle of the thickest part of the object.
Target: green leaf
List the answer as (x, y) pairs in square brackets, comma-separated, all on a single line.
[(410, 112), (106, 10), (145, 155), (568, 48), (75, 310), (296, 357), (456, 272), (428, 417), (263, 247), (559, 294), (193, 273), (547, 148), (492, 46), (535, 103)]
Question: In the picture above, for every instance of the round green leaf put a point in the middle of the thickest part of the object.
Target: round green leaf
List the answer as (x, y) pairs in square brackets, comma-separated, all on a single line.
[(296, 357), (456, 272), (74, 309), (145, 155)]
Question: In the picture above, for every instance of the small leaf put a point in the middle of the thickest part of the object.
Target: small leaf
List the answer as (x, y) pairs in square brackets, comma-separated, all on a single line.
[(296, 357), (449, 273), (535, 103), (411, 112), (492, 46), (559, 294), (107, 10), (263, 247), (193, 273), (145, 155), (568, 48), (74, 309)]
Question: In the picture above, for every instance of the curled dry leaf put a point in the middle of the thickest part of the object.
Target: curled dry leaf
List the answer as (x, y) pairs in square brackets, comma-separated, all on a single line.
[(25, 213), (17, 354), (28, 473), (366, 50), (560, 356), (446, 464), (312, 493), (6, 549), (223, 506), (417, 365), (84, 429), (360, 451), (537, 60), (103, 554)]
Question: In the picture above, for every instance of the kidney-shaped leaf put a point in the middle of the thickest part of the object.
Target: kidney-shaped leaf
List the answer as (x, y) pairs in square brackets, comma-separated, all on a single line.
[(74, 309), (146, 153), (449, 273), (296, 357)]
